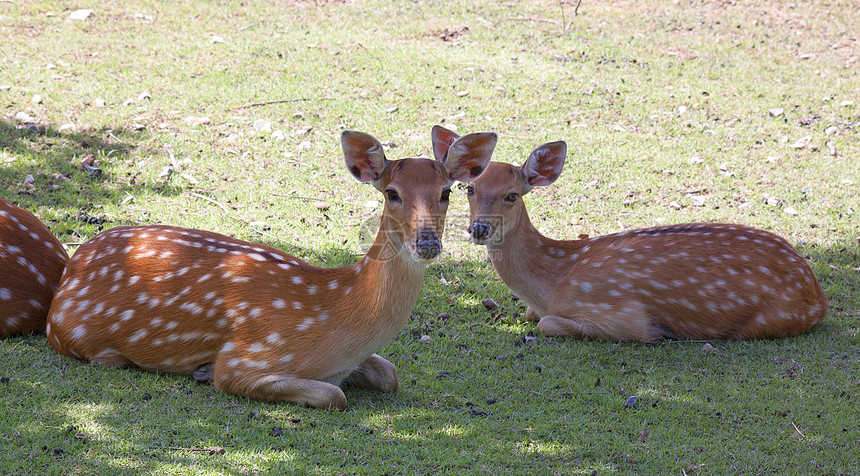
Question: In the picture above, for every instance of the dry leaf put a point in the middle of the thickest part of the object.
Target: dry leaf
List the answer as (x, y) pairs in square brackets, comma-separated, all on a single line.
[(196, 121), (80, 15)]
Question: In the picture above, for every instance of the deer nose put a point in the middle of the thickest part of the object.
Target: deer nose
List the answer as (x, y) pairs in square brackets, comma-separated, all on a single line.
[(479, 230), (428, 245)]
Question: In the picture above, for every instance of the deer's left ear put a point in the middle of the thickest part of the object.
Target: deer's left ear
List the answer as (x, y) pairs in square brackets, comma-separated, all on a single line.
[(544, 164), (469, 156)]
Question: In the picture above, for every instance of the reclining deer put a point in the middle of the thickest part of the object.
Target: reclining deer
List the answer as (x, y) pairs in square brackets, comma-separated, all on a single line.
[(688, 281), (256, 321)]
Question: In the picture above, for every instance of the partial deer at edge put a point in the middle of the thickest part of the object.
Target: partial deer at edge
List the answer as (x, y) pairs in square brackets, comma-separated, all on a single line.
[(252, 319), (31, 263), (687, 281)]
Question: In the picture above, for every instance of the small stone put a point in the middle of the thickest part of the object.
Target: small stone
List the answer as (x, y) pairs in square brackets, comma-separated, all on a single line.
[(631, 401), (305, 145), (144, 96), (462, 93), (278, 135), (776, 112), (36, 99), (698, 200), (831, 130), (675, 205), (708, 349), (66, 127), (790, 211), (489, 304), (444, 316), (323, 206), (99, 102), (425, 338), (216, 39), (696, 160)]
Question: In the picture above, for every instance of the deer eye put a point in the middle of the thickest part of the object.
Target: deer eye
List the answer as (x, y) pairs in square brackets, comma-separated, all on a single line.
[(470, 190), (512, 197), (392, 195), (446, 195)]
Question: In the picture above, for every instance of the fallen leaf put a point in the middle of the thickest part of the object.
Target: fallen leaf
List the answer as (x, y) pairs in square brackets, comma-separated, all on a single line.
[(22, 116), (196, 121), (262, 125), (81, 14)]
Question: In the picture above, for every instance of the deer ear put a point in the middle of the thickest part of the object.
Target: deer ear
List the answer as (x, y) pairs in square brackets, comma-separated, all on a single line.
[(363, 155), (544, 164), (469, 156), (442, 139)]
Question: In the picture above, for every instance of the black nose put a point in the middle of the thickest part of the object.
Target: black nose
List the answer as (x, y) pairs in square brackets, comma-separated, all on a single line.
[(479, 230), (428, 245)]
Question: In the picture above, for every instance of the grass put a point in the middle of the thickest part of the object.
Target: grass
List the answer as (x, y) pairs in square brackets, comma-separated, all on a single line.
[(637, 89)]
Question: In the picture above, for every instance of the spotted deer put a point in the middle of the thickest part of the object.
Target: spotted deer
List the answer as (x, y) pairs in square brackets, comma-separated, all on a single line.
[(252, 319), (686, 281), (31, 263)]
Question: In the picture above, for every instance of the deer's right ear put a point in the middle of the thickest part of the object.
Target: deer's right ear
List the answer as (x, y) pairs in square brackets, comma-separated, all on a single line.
[(470, 155), (364, 156), (544, 164), (442, 139)]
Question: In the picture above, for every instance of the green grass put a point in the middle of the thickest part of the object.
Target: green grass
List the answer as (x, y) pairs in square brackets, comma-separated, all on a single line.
[(635, 88)]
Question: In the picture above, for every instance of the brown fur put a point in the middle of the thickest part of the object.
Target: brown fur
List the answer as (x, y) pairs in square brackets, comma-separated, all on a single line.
[(696, 280), (31, 263)]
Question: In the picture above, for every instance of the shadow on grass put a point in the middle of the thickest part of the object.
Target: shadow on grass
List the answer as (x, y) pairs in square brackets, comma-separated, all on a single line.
[(61, 189)]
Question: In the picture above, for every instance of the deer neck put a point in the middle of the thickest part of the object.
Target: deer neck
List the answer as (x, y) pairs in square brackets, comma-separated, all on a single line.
[(390, 277), (530, 263)]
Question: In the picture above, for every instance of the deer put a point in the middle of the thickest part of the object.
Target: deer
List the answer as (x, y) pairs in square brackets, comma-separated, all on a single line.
[(682, 281), (32, 260), (255, 321)]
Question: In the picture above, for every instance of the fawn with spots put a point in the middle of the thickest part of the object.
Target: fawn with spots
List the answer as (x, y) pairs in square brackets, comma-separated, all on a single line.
[(688, 281), (251, 319), (31, 263)]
